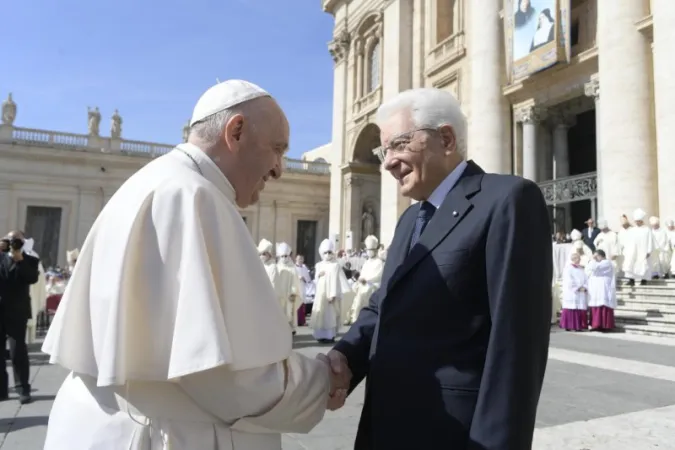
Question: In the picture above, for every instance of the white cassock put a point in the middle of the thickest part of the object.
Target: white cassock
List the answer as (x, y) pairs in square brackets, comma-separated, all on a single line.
[(38, 293), (638, 246), (331, 284), (601, 284), (371, 274), (608, 242), (661, 258), (288, 288), (573, 279), (173, 334), (305, 279)]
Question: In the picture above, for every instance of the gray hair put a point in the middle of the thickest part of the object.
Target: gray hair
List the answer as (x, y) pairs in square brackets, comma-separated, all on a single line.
[(429, 108), (210, 129)]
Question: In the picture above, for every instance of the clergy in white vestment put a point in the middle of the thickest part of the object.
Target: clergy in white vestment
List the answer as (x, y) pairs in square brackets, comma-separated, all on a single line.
[(581, 248), (601, 292), (369, 278), (670, 224), (287, 286), (38, 292), (265, 252), (660, 258), (608, 241), (574, 296), (306, 282), (331, 285), (622, 236), (171, 330), (71, 259), (638, 248)]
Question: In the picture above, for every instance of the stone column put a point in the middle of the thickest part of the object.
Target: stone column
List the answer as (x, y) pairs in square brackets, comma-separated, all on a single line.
[(663, 12), (397, 64), (352, 185), (592, 89), (627, 156), (359, 69), (561, 163), (489, 131), (530, 117), (338, 48), (7, 206)]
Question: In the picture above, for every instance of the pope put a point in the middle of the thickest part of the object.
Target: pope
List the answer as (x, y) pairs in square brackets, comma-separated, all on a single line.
[(172, 333)]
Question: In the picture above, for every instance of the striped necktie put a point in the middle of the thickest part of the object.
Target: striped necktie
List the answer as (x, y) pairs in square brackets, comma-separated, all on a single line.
[(424, 215)]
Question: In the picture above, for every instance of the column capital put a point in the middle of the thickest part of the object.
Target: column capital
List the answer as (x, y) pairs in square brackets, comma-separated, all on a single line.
[(530, 114), (339, 46), (592, 89), (562, 118)]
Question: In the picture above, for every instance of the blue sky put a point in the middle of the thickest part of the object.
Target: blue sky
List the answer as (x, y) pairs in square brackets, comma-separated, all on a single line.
[(152, 59)]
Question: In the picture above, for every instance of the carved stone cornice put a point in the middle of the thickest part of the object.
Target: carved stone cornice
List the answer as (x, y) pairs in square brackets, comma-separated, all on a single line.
[(530, 114), (339, 46), (592, 89)]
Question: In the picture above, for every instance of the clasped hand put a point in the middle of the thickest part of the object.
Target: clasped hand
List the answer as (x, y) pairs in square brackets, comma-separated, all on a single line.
[(340, 378)]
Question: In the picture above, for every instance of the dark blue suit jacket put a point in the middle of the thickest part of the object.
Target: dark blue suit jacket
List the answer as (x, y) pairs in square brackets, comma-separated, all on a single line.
[(454, 344)]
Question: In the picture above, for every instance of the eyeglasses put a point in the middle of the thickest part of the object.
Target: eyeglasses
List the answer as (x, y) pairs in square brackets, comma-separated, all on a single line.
[(398, 143)]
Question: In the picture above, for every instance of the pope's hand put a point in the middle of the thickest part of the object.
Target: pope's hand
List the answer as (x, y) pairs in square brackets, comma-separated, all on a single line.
[(362, 280), (320, 274), (340, 378)]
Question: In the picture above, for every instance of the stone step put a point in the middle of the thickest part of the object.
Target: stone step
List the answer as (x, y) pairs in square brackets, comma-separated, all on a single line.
[(646, 306), (625, 317), (646, 330)]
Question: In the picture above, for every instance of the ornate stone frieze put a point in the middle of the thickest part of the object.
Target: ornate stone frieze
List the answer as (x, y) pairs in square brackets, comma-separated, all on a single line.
[(339, 46), (592, 89), (530, 114), (570, 189)]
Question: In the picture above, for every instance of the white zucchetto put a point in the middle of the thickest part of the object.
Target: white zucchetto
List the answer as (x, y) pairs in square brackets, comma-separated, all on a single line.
[(602, 224), (223, 96)]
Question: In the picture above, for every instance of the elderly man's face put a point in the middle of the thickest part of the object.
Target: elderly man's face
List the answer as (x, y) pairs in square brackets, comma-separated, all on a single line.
[(419, 159), (259, 143)]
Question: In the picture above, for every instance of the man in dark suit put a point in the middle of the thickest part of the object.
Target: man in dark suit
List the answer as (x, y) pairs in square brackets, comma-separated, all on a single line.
[(590, 233), (17, 272), (454, 344)]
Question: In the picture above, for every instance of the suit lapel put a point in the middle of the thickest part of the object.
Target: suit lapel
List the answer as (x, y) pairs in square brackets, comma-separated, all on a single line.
[(455, 207)]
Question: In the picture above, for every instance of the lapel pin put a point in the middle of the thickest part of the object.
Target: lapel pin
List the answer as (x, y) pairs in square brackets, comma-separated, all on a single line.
[(455, 214)]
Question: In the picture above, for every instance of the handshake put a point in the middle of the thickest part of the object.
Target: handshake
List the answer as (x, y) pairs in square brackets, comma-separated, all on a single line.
[(340, 378)]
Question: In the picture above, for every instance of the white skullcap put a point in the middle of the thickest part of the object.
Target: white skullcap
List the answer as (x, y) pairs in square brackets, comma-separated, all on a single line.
[(283, 249), (371, 243), (223, 96), (265, 246), (653, 220), (670, 223), (576, 235), (326, 246), (602, 223), (639, 214)]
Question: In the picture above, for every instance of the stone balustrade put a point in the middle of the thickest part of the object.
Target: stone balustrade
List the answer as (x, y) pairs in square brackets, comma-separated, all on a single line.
[(79, 142), (570, 189)]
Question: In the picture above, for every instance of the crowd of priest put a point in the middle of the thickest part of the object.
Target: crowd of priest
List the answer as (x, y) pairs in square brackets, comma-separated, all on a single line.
[(588, 265), (332, 293)]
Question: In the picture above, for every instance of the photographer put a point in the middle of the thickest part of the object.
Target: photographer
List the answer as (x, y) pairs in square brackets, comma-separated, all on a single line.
[(17, 272)]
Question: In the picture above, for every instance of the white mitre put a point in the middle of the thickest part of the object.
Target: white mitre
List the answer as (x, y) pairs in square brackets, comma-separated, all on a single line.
[(576, 235), (326, 246), (653, 220), (223, 96), (265, 246), (371, 243), (283, 249), (72, 255), (639, 214), (602, 224)]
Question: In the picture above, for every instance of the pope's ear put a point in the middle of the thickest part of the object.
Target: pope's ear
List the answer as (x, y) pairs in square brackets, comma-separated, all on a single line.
[(233, 131)]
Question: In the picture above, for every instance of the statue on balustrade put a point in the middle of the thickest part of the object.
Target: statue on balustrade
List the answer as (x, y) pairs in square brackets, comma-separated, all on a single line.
[(368, 222), (94, 121), (186, 131), (8, 111), (116, 125)]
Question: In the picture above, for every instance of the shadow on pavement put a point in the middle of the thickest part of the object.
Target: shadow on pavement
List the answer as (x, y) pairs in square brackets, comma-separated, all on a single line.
[(19, 423)]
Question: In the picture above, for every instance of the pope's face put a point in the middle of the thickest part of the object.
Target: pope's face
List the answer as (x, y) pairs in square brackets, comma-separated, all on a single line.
[(261, 148)]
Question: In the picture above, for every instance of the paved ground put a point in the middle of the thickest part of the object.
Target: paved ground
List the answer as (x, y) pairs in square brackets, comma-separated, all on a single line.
[(602, 392)]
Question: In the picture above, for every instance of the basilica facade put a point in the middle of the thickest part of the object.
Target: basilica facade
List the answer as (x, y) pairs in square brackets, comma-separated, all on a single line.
[(53, 185), (587, 110)]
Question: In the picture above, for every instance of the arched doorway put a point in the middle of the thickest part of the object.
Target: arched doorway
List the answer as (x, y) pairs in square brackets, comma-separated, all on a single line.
[(362, 188)]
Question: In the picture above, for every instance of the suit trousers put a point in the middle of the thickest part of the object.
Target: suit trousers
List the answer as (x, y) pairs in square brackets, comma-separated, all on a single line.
[(14, 331)]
